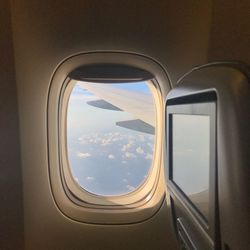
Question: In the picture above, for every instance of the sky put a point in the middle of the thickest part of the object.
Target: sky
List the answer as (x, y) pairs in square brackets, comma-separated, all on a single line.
[(106, 159)]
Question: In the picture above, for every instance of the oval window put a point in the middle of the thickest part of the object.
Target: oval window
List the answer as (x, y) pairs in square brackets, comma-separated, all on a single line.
[(110, 136)]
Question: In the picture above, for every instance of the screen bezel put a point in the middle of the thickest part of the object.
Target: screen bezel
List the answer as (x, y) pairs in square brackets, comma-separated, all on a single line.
[(198, 104)]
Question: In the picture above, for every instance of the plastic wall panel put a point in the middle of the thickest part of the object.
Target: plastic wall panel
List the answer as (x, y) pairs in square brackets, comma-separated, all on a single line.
[(11, 212)]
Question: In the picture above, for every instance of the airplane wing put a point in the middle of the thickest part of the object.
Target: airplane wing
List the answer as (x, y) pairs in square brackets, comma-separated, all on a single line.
[(140, 105)]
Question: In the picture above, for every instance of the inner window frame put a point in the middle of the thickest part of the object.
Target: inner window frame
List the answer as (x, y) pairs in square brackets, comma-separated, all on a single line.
[(81, 196)]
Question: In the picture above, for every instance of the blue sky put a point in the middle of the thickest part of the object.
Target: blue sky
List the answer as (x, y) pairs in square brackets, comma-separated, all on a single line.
[(138, 87)]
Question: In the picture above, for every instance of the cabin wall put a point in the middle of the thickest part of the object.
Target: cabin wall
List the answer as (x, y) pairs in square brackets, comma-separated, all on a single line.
[(11, 212), (47, 32), (230, 33)]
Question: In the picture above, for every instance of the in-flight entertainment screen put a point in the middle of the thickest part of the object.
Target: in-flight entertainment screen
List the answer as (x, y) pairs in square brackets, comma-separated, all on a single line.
[(191, 157)]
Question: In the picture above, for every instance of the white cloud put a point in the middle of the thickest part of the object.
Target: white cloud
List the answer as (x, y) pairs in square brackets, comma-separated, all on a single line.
[(95, 135), (90, 178), (125, 180), (110, 156), (124, 162), (97, 140), (127, 146), (106, 142), (130, 188), (149, 157), (131, 142), (82, 140), (139, 150), (83, 155), (130, 155)]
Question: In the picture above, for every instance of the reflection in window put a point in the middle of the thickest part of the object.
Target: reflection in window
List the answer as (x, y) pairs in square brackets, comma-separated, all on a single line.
[(110, 136)]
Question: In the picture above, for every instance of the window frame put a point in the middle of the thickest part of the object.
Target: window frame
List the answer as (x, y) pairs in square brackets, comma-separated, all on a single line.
[(82, 194), (81, 205)]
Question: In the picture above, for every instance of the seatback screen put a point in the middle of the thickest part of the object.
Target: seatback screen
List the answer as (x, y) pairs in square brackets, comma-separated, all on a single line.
[(191, 158)]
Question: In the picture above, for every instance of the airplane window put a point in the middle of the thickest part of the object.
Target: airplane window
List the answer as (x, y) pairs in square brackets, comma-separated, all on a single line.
[(110, 136)]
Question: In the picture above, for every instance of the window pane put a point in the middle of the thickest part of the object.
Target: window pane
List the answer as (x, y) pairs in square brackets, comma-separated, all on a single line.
[(110, 136)]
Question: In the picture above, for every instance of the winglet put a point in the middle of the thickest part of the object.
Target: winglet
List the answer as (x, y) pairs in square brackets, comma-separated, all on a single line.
[(103, 105), (137, 125)]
